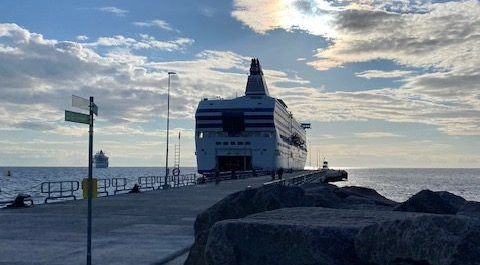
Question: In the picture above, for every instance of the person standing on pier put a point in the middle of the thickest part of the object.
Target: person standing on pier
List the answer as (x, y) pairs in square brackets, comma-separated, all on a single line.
[(217, 177), (280, 173)]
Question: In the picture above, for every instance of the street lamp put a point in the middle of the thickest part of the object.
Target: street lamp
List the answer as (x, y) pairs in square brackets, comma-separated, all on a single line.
[(165, 185)]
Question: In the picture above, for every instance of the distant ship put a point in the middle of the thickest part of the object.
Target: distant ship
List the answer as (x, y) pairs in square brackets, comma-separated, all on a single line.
[(100, 160), (251, 132)]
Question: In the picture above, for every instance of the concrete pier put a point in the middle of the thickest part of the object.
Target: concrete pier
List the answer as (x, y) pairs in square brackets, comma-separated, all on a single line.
[(142, 228)]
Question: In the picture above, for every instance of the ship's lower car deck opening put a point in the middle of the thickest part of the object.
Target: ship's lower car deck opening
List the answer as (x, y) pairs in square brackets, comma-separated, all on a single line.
[(237, 163)]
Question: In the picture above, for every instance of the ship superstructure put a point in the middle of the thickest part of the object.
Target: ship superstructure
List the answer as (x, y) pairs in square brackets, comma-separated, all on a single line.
[(255, 131), (100, 160)]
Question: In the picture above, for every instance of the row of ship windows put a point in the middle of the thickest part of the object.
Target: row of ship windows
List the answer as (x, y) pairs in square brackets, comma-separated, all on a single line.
[(233, 143), (201, 134), (282, 118)]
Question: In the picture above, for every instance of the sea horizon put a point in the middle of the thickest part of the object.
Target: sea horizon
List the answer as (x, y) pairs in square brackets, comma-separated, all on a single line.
[(394, 183), (306, 168)]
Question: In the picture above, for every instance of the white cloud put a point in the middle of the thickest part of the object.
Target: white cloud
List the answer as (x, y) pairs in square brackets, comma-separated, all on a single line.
[(376, 135), (82, 38), (262, 16), (131, 90), (369, 74), (155, 23), (441, 38), (144, 42), (114, 10), (208, 11), (405, 153), (39, 76)]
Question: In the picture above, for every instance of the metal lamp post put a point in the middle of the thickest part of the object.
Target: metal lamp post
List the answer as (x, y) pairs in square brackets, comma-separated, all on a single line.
[(165, 185)]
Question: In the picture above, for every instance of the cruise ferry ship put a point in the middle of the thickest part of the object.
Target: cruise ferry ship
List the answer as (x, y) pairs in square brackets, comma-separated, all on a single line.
[(251, 132), (100, 160)]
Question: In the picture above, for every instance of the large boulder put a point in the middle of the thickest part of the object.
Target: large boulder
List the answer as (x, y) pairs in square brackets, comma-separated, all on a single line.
[(331, 196), (456, 201), (323, 195), (292, 236), (425, 239), (370, 194), (470, 209), (238, 205), (426, 201)]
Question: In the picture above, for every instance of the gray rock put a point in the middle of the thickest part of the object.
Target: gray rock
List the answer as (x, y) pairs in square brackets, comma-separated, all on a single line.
[(454, 200), (239, 205), (370, 194), (331, 196), (361, 203), (426, 201), (292, 236), (323, 195), (425, 239), (470, 209)]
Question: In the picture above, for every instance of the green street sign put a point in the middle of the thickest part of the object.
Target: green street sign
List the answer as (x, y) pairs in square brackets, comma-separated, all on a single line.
[(77, 117), (81, 103), (95, 109)]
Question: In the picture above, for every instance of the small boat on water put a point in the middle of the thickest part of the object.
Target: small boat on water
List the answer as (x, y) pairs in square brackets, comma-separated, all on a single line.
[(100, 160)]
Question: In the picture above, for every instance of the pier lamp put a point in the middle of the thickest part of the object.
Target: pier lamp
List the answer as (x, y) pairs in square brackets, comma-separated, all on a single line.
[(165, 185)]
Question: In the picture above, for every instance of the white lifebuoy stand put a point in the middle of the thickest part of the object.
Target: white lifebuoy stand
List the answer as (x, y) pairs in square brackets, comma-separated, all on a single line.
[(176, 172)]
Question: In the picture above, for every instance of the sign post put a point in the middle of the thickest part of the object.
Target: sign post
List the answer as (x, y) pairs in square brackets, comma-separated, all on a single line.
[(90, 192), (77, 117)]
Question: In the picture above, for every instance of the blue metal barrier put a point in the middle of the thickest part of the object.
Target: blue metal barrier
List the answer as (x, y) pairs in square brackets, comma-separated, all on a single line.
[(103, 185), (59, 189), (148, 182), (120, 185)]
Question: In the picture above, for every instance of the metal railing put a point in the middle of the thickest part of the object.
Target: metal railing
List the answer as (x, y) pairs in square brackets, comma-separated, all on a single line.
[(307, 177), (157, 182), (185, 180), (323, 176), (119, 185), (228, 175), (103, 185), (149, 182), (59, 189)]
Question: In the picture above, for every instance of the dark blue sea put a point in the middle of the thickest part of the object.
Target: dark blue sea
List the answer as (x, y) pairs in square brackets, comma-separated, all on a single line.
[(395, 183)]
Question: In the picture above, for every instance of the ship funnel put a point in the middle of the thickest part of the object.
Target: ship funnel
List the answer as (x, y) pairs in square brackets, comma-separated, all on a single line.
[(256, 85)]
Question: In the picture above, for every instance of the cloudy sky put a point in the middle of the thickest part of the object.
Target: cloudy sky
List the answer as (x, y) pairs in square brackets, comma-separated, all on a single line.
[(384, 83)]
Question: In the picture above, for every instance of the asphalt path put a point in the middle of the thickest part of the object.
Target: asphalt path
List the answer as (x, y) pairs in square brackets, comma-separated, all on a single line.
[(142, 228)]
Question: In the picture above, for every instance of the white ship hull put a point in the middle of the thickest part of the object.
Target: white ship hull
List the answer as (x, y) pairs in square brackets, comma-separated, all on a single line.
[(254, 131)]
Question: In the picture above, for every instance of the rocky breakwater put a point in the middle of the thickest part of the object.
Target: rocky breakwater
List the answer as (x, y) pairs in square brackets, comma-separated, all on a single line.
[(324, 224)]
